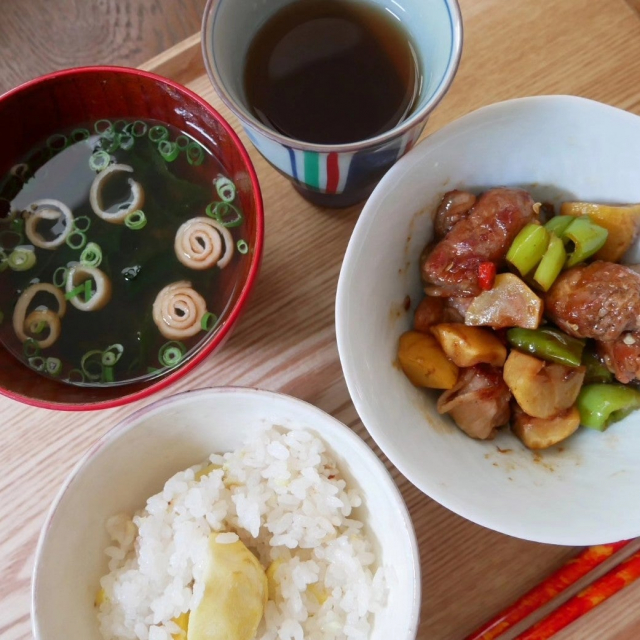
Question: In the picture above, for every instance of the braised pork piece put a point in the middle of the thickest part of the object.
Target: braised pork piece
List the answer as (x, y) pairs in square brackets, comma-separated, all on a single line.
[(600, 301), (483, 234)]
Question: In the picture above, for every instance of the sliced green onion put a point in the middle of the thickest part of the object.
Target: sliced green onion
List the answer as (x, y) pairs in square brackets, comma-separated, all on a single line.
[(136, 220), (91, 255), (168, 150), (74, 292), (226, 189), (171, 353), (53, 366), (99, 161), (139, 129), (551, 264), (21, 259), (37, 327), (75, 373), (77, 239), (153, 369), (588, 238), (171, 356), (102, 127), (243, 247), (126, 141), (57, 142), (37, 363), (528, 247), (158, 133), (559, 224), (227, 215), (17, 225), (107, 374), (195, 154), (81, 223), (88, 289), (80, 135), (112, 142), (119, 124), (91, 364), (182, 142), (60, 277), (112, 354), (209, 321), (30, 348)]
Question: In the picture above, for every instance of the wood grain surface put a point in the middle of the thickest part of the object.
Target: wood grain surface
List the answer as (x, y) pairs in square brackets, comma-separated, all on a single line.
[(286, 339), (39, 36)]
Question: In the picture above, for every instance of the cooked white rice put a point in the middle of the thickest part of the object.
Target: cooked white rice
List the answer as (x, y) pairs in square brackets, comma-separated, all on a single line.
[(282, 495)]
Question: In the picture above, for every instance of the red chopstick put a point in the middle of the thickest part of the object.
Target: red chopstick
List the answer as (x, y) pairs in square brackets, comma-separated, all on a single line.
[(572, 571), (606, 586)]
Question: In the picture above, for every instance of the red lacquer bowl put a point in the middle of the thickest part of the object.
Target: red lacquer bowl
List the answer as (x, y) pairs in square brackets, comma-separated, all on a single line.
[(46, 105)]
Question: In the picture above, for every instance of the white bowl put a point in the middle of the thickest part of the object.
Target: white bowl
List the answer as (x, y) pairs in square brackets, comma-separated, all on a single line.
[(133, 461), (558, 147)]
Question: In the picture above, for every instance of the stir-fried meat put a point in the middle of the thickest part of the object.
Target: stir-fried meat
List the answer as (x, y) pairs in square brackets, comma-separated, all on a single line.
[(429, 312), (622, 356), (458, 306), (454, 206), (601, 301), (479, 402), (432, 311), (485, 235)]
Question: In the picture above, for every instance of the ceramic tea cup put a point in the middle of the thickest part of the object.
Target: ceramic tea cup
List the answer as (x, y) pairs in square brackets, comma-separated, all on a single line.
[(333, 175)]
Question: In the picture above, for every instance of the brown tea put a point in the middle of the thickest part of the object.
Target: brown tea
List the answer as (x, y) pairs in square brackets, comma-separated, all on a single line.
[(331, 72)]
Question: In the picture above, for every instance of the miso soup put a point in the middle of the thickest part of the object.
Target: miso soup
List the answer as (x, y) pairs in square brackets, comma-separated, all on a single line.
[(119, 248)]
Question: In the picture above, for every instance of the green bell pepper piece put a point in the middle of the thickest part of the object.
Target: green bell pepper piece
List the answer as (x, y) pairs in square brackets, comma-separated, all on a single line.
[(559, 224), (600, 405), (528, 248), (547, 344), (551, 264), (596, 370), (587, 237)]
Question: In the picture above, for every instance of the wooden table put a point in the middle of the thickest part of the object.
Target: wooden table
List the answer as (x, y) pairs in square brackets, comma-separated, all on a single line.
[(286, 340), (39, 36)]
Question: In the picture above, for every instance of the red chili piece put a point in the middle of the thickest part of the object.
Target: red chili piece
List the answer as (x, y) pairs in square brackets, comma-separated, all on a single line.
[(486, 275)]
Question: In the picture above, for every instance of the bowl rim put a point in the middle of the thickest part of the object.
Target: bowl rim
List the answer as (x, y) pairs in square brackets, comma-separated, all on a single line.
[(362, 229), (256, 257), (133, 420), (249, 120)]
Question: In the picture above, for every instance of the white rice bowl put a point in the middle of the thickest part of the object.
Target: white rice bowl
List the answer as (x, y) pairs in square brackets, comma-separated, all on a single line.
[(353, 569), (282, 495)]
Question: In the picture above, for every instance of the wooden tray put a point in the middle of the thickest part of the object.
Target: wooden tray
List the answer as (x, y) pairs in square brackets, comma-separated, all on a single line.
[(286, 341)]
